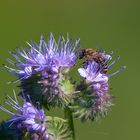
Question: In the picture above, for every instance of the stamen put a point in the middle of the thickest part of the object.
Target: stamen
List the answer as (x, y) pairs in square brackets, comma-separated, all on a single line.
[(41, 43), (11, 105), (15, 56), (10, 70), (28, 96), (11, 124), (17, 80), (5, 110), (38, 105), (11, 62), (117, 58), (15, 118), (77, 41), (15, 96), (13, 100), (122, 68), (32, 48), (24, 77)]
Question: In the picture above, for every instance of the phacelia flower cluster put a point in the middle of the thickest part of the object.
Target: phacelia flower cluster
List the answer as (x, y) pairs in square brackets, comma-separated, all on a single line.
[(45, 65), (96, 77), (43, 72), (27, 118)]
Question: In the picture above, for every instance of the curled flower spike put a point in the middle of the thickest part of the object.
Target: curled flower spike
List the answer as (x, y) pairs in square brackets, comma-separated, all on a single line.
[(42, 69), (95, 100), (27, 117)]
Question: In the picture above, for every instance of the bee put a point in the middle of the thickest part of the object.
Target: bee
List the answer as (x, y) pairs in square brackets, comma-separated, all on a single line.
[(96, 55)]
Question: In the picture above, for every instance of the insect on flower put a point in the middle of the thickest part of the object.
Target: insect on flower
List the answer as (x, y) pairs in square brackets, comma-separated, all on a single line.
[(96, 82), (100, 57)]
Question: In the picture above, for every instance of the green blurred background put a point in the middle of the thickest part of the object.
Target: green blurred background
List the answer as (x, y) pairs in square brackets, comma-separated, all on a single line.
[(108, 24)]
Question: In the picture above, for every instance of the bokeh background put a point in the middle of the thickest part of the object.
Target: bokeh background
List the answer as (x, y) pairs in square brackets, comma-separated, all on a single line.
[(108, 24)]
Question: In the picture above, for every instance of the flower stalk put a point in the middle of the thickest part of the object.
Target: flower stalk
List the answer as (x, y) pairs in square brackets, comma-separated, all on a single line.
[(69, 117)]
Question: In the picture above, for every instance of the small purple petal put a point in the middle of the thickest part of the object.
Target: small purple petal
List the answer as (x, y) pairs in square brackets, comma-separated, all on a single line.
[(96, 86)]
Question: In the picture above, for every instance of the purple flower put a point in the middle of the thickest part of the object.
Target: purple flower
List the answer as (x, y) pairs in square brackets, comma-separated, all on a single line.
[(100, 88), (47, 57), (92, 73), (28, 117), (66, 56), (35, 119), (102, 95)]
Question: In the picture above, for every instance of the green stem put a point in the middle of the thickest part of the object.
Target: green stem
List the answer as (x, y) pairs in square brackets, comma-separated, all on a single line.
[(69, 118)]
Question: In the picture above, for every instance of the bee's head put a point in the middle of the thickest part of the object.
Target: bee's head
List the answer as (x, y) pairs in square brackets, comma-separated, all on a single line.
[(82, 53)]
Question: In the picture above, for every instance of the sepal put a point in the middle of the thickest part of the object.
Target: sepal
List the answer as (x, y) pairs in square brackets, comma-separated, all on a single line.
[(61, 95), (89, 106), (58, 129)]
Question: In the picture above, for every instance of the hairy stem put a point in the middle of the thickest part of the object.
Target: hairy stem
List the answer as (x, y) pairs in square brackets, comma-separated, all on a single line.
[(69, 118)]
